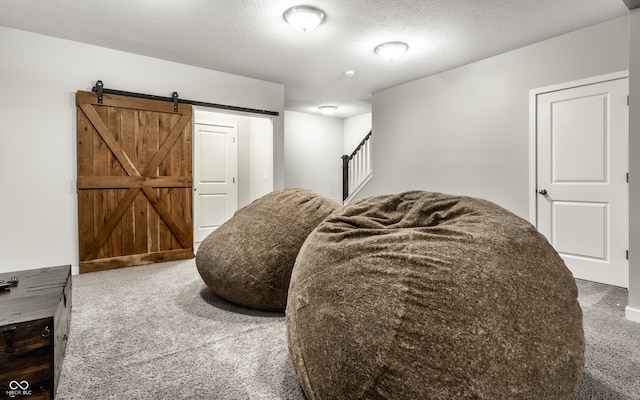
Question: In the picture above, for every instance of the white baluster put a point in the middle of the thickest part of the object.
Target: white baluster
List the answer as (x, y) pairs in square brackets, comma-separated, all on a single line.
[(368, 152)]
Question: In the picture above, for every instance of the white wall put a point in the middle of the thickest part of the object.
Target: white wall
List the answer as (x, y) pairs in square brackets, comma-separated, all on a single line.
[(355, 129), (465, 131), (39, 76), (313, 150), (261, 157)]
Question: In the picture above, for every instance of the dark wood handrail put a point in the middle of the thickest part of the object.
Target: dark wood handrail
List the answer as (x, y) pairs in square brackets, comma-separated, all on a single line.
[(362, 143)]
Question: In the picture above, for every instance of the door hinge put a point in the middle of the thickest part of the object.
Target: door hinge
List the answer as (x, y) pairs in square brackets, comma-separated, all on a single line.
[(627, 177), (627, 254)]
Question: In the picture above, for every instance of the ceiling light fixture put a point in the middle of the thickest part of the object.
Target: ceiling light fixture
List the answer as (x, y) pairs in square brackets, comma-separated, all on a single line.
[(304, 18), (328, 110), (350, 73), (391, 50)]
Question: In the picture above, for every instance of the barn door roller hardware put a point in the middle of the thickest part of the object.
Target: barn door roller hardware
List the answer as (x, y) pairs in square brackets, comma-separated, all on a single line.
[(100, 90), (99, 87)]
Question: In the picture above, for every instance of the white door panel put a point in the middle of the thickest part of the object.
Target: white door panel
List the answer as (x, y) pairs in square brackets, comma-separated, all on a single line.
[(215, 171), (581, 229), (213, 209), (579, 138), (582, 164), (212, 152)]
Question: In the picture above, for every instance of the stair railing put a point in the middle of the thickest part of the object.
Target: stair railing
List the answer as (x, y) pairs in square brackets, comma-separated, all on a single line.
[(356, 168)]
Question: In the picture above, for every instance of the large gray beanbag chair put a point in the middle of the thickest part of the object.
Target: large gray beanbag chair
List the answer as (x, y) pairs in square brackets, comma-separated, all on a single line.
[(248, 259), (431, 296)]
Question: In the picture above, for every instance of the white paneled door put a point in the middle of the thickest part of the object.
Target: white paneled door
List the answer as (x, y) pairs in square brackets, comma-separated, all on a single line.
[(215, 175), (582, 165)]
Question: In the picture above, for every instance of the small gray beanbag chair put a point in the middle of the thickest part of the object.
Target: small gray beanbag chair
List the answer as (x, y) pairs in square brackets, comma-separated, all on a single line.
[(248, 259), (430, 296)]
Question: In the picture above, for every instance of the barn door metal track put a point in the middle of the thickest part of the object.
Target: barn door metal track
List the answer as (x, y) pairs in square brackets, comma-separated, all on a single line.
[(100, 90)]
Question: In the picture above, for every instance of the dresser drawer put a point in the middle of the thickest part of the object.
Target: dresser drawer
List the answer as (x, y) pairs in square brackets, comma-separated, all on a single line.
[(25, 359), (35, 317)]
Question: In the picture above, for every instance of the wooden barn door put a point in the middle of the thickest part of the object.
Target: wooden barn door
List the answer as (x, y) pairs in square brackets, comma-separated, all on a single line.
[(134, 181)]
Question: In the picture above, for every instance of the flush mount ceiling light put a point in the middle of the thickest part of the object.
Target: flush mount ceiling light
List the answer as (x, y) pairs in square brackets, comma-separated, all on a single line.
[(304, 18), (327, 110), (391, 50)]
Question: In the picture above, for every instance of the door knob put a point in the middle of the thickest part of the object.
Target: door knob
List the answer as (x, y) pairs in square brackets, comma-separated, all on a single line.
[(542, 191)]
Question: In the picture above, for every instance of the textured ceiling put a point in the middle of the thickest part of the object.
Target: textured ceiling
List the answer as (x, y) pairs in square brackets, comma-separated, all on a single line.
[(250, 37)]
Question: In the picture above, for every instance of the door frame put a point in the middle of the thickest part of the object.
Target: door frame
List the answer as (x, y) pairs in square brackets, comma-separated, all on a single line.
[(533, 131), (247, 192), (196, 143)]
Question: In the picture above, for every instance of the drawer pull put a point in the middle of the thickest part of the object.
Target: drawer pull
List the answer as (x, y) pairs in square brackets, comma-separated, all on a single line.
[(46, 331)]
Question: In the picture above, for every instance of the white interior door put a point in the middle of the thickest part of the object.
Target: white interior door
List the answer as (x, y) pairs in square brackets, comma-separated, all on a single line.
[(215, 171), (582, 165)]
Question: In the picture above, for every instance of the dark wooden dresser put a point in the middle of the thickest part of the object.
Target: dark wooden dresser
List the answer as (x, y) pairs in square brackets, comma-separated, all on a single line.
[(34, 323)]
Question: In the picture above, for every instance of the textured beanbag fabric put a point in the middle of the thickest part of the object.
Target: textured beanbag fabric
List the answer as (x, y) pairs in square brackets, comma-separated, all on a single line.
[(431, 296), (248, 259)]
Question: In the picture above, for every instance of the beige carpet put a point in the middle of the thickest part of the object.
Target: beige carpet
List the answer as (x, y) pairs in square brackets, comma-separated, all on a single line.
[(157, 332)]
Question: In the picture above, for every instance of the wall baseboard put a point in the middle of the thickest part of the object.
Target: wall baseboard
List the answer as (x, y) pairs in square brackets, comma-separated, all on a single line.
[(632, 314)]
